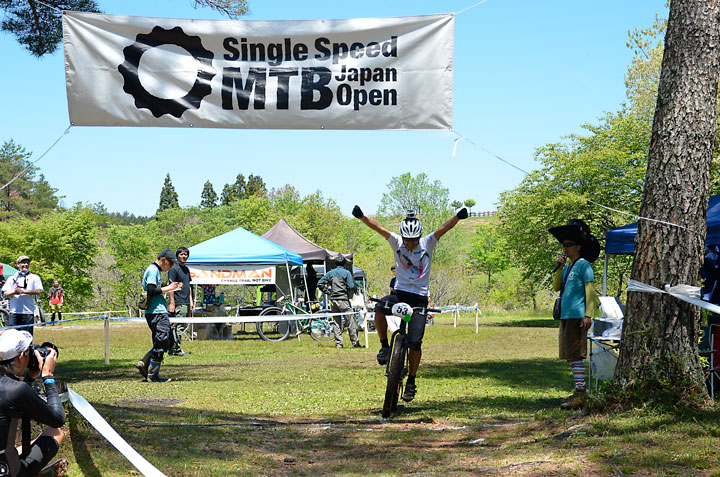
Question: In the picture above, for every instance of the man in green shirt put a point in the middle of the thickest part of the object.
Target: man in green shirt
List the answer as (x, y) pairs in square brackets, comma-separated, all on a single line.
[(157, 316)]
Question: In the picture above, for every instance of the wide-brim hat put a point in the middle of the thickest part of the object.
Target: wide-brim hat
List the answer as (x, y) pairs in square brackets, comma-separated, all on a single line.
[(576, 230)]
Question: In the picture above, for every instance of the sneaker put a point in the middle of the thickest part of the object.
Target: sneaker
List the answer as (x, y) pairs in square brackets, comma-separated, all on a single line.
[(575, 401), (57, 468), (338, 345), (409, 393), (181, 353), (142, 367), (158, 379), (357, 345), (383, 355)]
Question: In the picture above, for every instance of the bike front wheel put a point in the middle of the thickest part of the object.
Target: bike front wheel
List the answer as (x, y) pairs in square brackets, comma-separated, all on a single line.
[(273, 330), (394, 379), (321, 328)]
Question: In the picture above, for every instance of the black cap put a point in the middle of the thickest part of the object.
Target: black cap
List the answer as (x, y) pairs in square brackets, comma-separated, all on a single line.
[(339, 260)]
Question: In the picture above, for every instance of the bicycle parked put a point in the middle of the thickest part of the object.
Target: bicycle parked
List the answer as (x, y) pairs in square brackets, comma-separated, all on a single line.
[(319, 326), (397, 366)]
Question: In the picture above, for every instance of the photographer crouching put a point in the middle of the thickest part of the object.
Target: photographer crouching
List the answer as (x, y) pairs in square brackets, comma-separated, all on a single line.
[(19, 400)]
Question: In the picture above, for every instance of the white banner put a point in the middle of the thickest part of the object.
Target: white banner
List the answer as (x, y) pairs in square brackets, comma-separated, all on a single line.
[(106, 430), (372, 73), (232, 274)]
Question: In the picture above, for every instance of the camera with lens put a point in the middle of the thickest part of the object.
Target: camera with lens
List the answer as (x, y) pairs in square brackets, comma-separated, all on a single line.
[(44, 350)]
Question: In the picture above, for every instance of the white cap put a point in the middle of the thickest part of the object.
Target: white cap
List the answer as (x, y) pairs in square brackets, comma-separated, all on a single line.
[(13, 342)]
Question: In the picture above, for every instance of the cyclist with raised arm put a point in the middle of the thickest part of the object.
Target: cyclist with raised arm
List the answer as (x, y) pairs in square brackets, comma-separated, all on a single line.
[(413, 256)]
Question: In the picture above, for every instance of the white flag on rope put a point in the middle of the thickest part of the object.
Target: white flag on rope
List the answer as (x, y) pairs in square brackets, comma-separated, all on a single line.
[(371, 73)]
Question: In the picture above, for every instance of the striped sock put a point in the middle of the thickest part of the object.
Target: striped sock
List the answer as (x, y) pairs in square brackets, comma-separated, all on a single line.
[(578, 370)]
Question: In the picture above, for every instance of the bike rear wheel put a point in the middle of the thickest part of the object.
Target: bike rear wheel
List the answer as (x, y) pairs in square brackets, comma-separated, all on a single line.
[(273, 330), (321, 328), (5, 317), (394, 380)]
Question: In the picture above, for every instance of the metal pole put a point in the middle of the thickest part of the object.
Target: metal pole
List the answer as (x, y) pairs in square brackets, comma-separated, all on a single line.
[(107, 339), (605, 275), (477, 324)]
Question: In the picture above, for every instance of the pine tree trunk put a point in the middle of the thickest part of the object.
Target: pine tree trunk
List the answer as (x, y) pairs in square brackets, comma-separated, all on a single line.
[(659, 353)]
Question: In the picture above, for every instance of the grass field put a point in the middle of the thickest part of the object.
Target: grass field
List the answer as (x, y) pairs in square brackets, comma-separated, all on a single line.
[(487, 404)]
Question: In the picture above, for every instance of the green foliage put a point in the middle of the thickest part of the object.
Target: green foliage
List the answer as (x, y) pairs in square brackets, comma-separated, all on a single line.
[(406, 192), (230, 8), (606, 166), (132, 250), (456, 204), (61, 245), (227, 195), (240, 189), (37, 27), (208, 196), (168, 196), (103, 218), (256, 186), (469, 203), (489, 251), (22, 195)]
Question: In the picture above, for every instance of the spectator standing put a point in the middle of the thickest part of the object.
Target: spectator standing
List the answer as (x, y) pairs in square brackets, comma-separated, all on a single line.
[(21, 289), (157, 316), (181, 301), (393, 269), (575, 280), (312, 282), (19, 400), (338, 284), (57, 298)]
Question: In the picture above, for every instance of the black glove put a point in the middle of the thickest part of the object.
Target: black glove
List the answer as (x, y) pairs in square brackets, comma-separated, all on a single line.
[(462, 213), (357, 212)]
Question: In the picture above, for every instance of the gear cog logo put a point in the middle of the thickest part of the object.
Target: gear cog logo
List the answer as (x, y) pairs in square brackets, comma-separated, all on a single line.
[(160, 106)]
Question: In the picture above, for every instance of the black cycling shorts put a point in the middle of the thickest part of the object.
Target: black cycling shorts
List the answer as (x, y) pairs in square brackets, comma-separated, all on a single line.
[(416, 327)]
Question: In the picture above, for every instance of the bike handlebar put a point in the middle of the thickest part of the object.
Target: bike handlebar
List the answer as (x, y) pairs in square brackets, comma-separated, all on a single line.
[(415, 308)]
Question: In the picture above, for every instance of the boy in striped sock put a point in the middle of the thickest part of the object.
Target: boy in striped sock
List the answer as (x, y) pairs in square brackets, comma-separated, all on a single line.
[(574, 279)]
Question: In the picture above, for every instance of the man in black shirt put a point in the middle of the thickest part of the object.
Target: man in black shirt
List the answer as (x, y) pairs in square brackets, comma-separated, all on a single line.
[(19, 400), (181, 301)]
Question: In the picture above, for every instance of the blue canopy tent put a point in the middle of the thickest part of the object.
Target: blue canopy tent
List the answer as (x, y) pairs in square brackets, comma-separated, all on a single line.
[(241, 247), (621, 240)]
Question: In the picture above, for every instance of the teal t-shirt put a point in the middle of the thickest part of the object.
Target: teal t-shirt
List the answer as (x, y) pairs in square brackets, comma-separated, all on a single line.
[(573, 297), (157, 302)]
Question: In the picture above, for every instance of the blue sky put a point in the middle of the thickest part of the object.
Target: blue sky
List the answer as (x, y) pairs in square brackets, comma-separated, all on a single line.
[(526, 73)]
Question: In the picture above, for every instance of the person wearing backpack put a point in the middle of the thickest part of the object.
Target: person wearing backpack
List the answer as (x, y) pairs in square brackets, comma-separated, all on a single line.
[(338, 284), (575, 280)]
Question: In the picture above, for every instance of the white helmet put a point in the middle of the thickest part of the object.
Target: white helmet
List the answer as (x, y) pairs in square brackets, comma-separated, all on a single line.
[(411, 228)]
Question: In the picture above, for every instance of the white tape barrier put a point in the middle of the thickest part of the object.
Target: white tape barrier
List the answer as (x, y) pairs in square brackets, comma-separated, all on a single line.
[(685, 293), (446, 309), (101, 425), (254, 318)]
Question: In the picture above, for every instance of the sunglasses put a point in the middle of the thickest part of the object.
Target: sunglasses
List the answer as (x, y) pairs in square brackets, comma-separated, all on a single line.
[(568, 244)]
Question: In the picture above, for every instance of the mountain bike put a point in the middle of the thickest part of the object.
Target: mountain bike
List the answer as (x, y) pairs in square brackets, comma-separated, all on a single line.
[(320, 327), (397, 366)]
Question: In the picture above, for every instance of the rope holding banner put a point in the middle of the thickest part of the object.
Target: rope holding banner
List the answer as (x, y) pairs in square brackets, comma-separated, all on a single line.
[(471, 6), (590, 201), (21, 173)]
